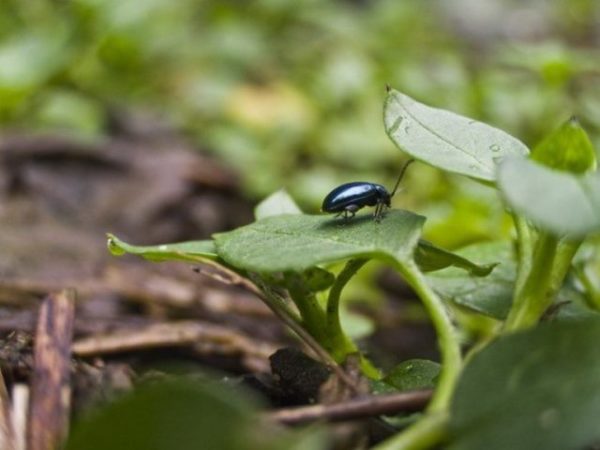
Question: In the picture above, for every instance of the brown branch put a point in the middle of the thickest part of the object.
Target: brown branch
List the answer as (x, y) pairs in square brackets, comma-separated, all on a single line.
[(204, 338), (356, 408), (49, 400)]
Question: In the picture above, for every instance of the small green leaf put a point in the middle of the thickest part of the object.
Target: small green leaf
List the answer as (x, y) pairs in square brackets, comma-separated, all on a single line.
[(297, 242), (447, 140), (556, 201), (568, 148), (276, 204), (492, 295), (533, 390), (430, 258), (192, 251), (413, 374)]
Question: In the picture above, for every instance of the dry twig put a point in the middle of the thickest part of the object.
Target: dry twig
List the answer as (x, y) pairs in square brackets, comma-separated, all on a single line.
[(356, 408), (50, 390), (7, 435), (202, 337)]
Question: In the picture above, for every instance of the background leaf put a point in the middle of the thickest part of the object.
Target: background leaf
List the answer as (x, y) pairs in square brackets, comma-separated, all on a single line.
[(447, 140), (531, 390), (568, 148), (275, 204), (297, 242), (556, 201)]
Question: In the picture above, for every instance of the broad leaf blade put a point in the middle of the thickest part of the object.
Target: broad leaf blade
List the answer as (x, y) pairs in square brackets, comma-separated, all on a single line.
[(447, 140), (533, 390), (192, 251), (430, 258), (297, 242), (568, 148), (491, 295), (556, 201)]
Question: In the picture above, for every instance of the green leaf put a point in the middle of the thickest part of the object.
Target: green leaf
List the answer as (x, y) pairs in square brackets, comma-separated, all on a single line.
[(413, 374), (568, 148), (492, 295), (183, 415), (532, 390), (297, 242), (276, 204), (556, 201), (192, 251), (447, 140), (430, 258)]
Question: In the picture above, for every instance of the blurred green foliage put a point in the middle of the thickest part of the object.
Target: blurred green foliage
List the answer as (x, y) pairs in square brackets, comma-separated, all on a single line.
[(290, 91)]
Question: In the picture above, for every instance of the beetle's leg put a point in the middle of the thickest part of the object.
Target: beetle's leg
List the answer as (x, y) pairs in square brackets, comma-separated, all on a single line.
[(379, 211)]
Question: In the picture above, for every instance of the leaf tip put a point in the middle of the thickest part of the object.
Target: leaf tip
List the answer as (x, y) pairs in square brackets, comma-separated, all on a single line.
[(483, 270), (113, 245)]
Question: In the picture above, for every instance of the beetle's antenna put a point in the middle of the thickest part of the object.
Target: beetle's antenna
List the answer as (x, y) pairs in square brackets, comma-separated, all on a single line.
[(408, 163)]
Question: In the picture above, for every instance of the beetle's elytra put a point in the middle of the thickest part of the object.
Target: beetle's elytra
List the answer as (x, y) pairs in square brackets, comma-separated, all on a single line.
[(350, 197)]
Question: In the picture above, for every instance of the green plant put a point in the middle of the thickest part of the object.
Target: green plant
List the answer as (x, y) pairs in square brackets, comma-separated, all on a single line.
[(553, 196)]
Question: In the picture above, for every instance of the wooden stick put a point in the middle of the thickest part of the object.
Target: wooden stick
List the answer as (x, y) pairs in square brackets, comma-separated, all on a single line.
[(356, 408), (49, 401), (20, 397), (7, 432)]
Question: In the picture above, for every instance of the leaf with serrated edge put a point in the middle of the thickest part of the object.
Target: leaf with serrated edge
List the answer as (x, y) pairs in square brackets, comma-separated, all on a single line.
[(447, 140), (536, 389), (559, 202), (191, 251), (297, 242)]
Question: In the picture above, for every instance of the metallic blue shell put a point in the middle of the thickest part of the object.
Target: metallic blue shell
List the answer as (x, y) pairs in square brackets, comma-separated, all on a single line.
[(358, 193)]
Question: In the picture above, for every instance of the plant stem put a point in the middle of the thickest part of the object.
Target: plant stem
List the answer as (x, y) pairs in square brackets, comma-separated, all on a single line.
[(446, 335), (341, 344), (524, 251), (333, 300), (593, 294), (313, 315), (535, 296), (562, 263), (426, 433), (276, 304)]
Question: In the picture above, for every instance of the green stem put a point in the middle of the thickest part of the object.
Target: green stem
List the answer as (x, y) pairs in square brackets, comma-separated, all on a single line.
[(341, 344), (562, 263), (426, 433), (593, 294), (535, 296), (333, 301), (524, 251), (446, 335), (313, 316)]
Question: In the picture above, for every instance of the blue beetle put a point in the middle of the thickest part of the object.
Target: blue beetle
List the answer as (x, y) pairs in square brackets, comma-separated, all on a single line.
[(350, 197)]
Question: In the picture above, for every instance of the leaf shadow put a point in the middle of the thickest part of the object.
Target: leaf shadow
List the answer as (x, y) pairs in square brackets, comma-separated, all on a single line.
[(338, 222)]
